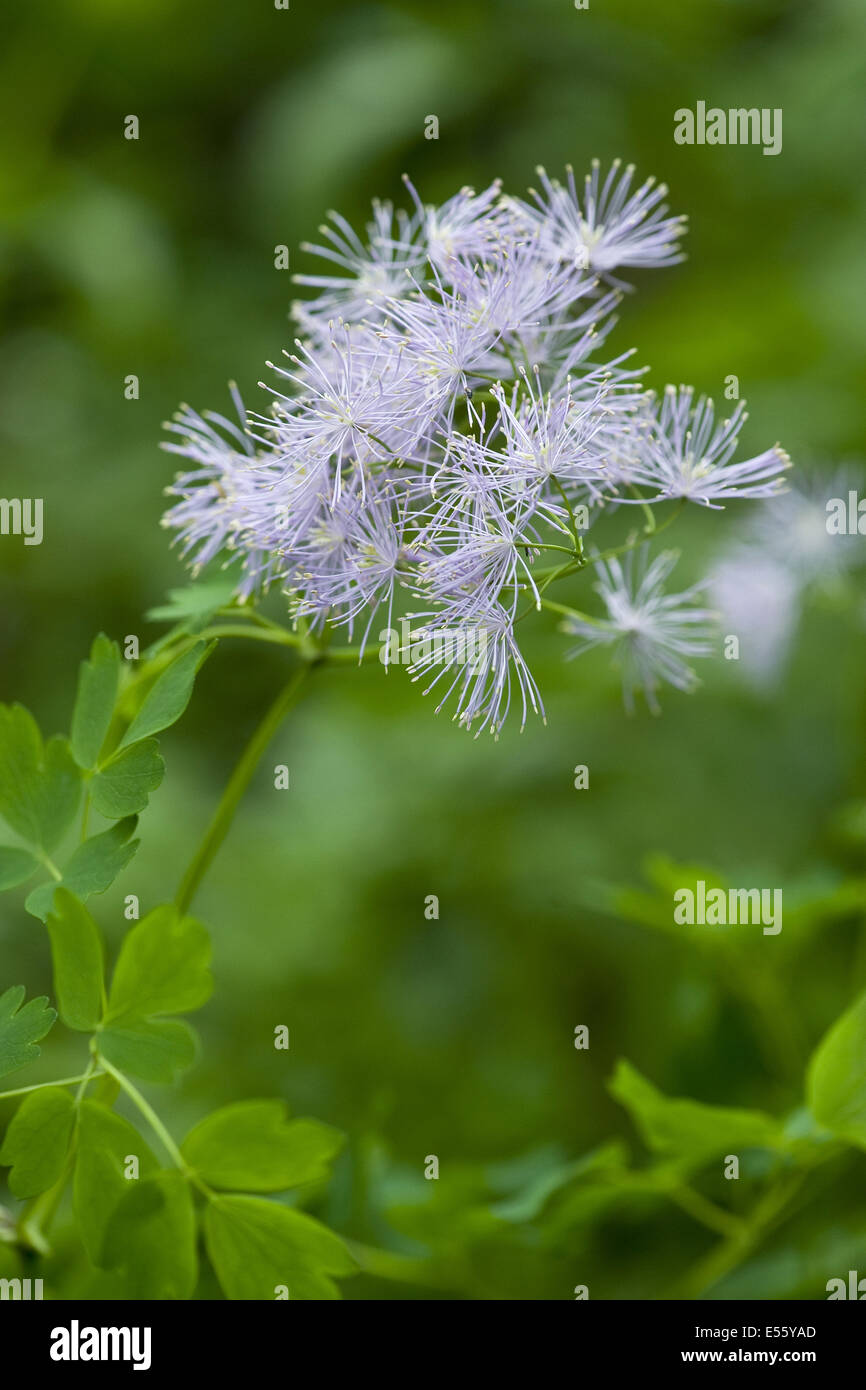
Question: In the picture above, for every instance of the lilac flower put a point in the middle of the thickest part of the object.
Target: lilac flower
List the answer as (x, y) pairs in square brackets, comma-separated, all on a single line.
[(686, 454), (570, 342), (351, 561), (551, 439), (482, 542), (608, 226), (516, 289), (483, 667), (464, 226), (358, 404), (651, 633), (373, 272), (446, 347), (223, 496), (446, 429)]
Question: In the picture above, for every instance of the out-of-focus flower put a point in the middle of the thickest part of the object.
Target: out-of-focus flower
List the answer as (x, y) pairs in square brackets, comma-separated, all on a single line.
[(783, 552), (651, 633), (758, 599), (794, 528)]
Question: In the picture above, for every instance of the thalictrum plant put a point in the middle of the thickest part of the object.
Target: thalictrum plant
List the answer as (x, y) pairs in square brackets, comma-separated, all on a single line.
[(440, 444)]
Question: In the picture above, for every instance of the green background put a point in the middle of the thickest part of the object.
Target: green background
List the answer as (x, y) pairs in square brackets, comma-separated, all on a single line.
[(156, 257)]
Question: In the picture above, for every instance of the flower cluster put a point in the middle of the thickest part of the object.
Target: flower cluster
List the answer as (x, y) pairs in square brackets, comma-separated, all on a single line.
[(446, 431)]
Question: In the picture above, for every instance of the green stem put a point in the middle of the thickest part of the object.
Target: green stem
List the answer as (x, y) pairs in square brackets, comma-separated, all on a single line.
[(639, 537), (64, 1081), (162, 653), (278, 635), (635, 538), (736, 1247), (578, 541), (237, 785), (150, 1115), (258, 629), (87, 1077), (566, 549), (547, 577), (647, 511), (569, 612), (252, 615), (701, 1209)]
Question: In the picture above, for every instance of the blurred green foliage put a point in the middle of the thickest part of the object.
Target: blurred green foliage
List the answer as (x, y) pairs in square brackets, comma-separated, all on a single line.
[(454, 1037)]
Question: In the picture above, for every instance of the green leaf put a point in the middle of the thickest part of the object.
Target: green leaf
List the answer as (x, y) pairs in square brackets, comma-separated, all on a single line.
[(40, 901), (256, 1247), (21, 1029), (655, 909), (836, 1077), (252, 1146), (603, 1164), (195, 604), (151, 1237), (40, 785), (106, 1142), (92, 869), (58, 794), (77, 954), (154, 1049), (123, 785), (21, 756), (162, 967), (169, 696), (688, 1129), (94, 703), (16, 866), (95, 864), (37, 1140)]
